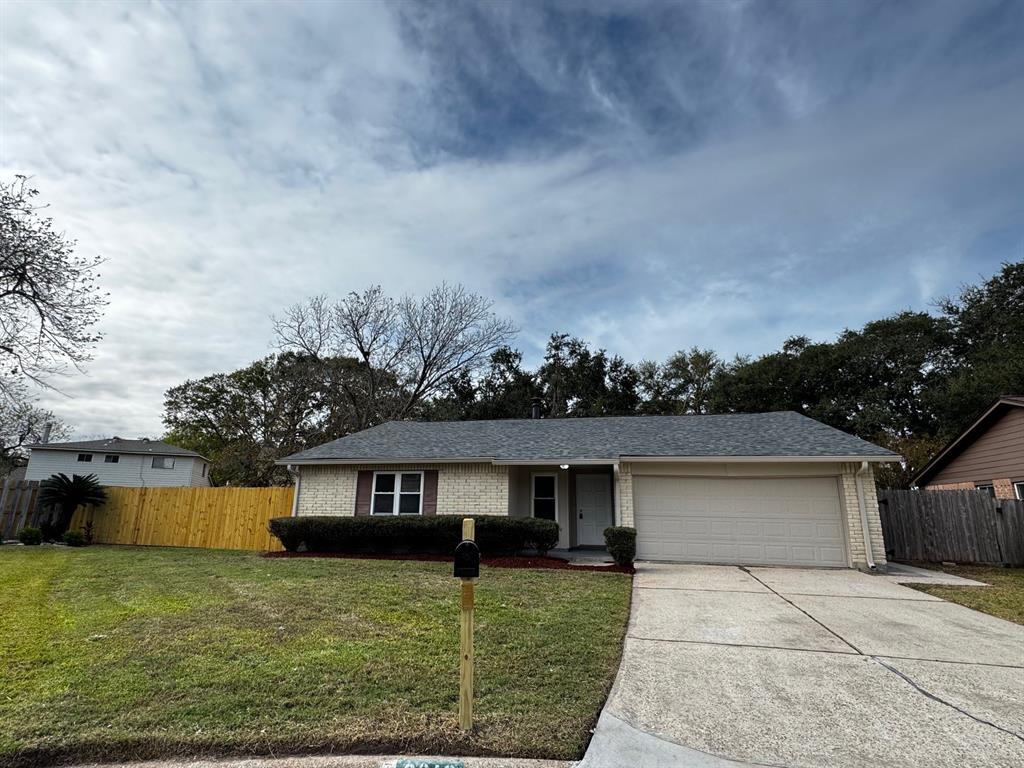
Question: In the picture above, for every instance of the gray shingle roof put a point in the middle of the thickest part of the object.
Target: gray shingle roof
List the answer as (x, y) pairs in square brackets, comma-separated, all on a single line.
[(118, 445), (783, 433)]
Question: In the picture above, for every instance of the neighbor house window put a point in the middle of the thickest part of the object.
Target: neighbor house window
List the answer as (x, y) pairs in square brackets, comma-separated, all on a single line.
[(108, 459), (545, 503), (397, 493), (204, 469), (85, 457), (163, 462), (1018, 489), (987, 487)]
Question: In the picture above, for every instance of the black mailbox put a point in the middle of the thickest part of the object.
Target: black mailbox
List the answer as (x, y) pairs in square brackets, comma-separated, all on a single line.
[(467, 560)]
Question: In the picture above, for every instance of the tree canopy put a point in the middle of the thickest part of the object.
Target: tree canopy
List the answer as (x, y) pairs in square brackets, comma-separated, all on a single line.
[(909, 381)]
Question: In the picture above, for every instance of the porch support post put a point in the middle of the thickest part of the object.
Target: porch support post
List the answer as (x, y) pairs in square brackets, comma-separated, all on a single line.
[(617, 516)]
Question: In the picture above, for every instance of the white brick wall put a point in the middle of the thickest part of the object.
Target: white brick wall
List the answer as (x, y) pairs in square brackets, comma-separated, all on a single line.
[(626, 494), (475, 489)]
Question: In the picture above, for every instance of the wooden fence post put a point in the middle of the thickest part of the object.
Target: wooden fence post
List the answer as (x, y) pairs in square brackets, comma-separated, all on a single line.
[(466, 638)]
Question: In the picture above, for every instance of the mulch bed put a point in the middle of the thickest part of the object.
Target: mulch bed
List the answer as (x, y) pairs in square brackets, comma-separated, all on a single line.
[(517, 561)]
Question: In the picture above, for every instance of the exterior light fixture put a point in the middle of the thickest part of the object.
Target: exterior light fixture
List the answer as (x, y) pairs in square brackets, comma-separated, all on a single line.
[(563, 466)]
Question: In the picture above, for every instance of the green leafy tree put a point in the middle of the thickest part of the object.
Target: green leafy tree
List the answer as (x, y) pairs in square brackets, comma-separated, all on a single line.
[(66, 494), (577, 381), (985, 358), (247, 419)]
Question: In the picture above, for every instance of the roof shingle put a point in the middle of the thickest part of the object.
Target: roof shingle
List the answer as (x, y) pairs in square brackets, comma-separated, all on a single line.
[(783, 433), (118, 445)]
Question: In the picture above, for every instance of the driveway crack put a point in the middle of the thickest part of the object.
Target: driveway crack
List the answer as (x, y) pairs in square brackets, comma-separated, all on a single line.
[(877, 660), (941, 700), (805, 613)]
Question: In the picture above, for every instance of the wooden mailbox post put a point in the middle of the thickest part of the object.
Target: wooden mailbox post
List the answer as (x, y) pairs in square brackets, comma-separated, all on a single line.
[(467, 568)]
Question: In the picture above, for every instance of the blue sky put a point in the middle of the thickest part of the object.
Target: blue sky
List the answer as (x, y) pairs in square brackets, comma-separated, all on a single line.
[(647, 175)]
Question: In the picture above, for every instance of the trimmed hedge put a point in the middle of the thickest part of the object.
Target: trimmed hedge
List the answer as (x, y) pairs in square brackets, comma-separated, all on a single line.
[(621, 542), (30, 536), (74, 539), (436, 535)]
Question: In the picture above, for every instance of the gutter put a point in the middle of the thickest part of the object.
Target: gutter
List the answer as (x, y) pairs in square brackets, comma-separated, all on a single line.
[(862, 505), (584, 462)]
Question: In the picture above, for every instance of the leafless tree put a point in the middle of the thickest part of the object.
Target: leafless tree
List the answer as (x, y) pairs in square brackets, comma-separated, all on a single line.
[(408, 347), (49, 299), (22, 422)]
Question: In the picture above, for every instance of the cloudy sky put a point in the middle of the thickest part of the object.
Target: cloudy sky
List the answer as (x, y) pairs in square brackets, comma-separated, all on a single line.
[(647, 175)]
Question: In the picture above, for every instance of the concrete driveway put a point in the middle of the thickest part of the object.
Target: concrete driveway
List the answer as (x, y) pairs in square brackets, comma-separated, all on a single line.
[(798, 667)]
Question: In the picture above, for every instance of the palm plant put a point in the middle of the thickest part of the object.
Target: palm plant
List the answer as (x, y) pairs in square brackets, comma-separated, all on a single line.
[(67, 494)]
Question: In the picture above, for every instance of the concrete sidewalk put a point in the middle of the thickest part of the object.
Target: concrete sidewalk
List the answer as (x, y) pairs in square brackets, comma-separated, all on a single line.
[(726, 666)]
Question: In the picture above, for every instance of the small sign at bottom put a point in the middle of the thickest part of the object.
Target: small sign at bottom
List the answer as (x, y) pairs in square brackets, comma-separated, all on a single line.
[(420, 763)]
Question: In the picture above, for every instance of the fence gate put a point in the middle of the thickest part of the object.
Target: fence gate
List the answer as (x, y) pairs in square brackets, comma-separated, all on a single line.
[(958, 526)]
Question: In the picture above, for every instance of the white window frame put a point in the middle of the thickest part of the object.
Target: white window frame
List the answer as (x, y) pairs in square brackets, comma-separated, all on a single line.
[(533, 493), (1018, 489), (87, 459), (397, 493), (164, 460), (111, 458)]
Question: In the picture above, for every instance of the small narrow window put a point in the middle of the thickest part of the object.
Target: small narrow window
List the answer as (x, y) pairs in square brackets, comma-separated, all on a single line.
[(204, 469), (987, 487), (1018, 489), (397, 493), (85, 457), (111, 459), (545, 504), (163, 462)]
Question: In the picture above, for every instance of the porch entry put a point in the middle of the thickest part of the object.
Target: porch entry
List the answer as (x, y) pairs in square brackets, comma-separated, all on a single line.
[(593, 508)]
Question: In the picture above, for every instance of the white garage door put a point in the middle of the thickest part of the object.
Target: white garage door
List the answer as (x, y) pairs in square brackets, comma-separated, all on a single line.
[(769, 521)]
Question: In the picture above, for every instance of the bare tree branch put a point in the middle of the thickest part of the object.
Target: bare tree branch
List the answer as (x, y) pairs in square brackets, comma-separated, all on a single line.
[(409, 347), (49, 298)]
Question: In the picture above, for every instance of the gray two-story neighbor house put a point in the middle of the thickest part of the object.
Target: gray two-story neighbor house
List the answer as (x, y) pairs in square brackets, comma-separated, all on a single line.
[(765, 489), (134, 463)]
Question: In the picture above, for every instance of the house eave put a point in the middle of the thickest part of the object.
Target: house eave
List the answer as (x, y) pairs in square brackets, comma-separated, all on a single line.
[(526, 461), (953, 448), (390, 460), (762, 459)]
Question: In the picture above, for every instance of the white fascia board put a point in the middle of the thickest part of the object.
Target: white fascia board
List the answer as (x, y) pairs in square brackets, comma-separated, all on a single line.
[(554, 462), (318, 462), (759, 459)]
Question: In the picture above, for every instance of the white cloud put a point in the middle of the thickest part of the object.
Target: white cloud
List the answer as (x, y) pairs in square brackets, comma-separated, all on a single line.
[(231, 160)]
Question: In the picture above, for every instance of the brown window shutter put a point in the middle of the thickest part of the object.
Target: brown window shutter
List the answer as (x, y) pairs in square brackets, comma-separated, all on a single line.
[(364, 490), (429, 492)]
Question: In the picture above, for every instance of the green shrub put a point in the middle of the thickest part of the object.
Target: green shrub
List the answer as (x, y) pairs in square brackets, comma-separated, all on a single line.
[(74, 538), (437, 535), (30, 536), (621, 542)]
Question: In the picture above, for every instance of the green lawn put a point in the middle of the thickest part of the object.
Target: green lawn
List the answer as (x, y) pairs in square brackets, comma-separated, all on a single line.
[(1003, 598), (132, 652)]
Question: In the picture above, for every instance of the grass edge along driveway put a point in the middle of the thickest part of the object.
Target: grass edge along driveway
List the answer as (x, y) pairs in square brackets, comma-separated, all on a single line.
[(1004, 597), (119, 653)]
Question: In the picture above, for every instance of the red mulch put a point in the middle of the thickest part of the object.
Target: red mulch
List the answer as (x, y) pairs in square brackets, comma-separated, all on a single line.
[(551, 563)]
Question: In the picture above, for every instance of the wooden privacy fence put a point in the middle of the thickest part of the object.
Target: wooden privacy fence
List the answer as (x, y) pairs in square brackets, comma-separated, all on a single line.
[(18, 507), (959, 526), (213, 518)]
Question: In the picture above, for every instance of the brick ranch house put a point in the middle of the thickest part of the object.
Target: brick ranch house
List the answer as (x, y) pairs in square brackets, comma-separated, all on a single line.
[(758, 489), (987, 456)]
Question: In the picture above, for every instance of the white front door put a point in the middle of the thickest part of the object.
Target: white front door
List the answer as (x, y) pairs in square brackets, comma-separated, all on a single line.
[(593, 508)]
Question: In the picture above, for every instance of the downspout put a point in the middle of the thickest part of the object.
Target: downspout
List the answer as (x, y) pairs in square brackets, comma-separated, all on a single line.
[(858, 480), (298, 489)]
